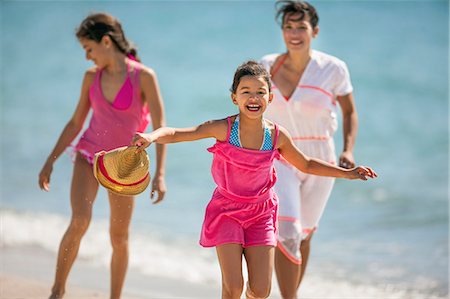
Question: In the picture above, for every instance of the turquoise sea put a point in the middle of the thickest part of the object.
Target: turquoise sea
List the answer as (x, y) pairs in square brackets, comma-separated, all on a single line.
[(390, 234)]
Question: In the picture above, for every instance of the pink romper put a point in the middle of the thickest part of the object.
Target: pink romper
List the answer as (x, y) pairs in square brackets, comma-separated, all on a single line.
[(243, 208), (113, 125)]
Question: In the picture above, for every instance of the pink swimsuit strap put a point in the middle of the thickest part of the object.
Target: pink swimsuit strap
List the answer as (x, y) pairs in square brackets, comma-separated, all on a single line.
[(277, 133), (277, 67), (229, 128)]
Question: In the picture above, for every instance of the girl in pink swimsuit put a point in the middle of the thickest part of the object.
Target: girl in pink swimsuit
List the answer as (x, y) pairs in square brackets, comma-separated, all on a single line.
[(241, 218), (121, 91)]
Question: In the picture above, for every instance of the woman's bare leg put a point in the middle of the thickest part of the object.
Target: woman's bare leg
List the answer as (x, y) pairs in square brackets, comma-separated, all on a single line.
[(305, 247), (121, 212), (288, 275), (82, 196)]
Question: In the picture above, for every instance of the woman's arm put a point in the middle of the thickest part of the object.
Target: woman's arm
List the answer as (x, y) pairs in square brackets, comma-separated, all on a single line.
[(350, 129), (70, 131), (153, 98), (315, 166)]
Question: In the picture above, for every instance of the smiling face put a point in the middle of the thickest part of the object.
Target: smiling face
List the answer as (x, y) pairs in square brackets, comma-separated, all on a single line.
[(252, 96), (97, 52), (298, 32)]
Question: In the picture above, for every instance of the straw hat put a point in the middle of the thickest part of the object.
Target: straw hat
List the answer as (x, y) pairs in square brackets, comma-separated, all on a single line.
[(122, 170)]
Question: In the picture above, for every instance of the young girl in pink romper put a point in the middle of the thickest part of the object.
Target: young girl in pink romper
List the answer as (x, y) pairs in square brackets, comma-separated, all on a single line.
[(241, 218)]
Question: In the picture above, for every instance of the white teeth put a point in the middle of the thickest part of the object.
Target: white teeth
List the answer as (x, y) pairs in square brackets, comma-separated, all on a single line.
[(253, 107)]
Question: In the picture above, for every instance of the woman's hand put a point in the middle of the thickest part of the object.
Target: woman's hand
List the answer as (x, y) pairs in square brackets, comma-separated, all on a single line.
[(346, 160), (159, 186), (44, 176), (361, 173)]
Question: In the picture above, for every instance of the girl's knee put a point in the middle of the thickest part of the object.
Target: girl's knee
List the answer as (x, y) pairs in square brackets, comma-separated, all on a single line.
[(232, 289), (288, 294), (259, 291)]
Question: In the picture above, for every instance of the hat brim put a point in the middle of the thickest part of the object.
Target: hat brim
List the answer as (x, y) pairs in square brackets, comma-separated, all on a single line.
[(121, 189)]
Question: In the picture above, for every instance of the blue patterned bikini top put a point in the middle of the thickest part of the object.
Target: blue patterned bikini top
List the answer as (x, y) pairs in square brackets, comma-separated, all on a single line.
[(235, 139)]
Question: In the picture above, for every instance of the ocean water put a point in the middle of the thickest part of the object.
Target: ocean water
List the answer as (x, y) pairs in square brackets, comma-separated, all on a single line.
[(386, 236)]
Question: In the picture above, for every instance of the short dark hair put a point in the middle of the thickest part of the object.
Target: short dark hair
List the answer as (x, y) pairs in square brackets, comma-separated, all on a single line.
[(292, 7), (250, 68)]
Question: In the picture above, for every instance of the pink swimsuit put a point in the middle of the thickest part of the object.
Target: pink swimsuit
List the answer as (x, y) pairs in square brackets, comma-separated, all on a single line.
[(113, 124), (243, 208)]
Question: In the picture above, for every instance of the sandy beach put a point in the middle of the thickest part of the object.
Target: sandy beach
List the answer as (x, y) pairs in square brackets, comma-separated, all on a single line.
[(18, 287), (27, 272)]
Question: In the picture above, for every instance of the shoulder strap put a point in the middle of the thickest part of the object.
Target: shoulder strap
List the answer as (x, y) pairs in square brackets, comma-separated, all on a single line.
[(95, 85), (136, 77), (277, 132), (280, 63), (98, 74), (229, 128), (128, 68)]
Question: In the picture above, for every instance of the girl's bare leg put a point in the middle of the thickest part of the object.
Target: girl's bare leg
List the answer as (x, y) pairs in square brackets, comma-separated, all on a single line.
[(83, 192), (260, 266), (121, 212), (230, 260)]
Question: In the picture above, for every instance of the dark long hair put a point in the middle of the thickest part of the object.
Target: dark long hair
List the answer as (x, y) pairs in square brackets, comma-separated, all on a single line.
[(97, 25)]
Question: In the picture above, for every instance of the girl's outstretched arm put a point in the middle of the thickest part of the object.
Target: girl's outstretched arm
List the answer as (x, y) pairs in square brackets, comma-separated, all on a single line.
[(211, 129), (315, 166), (71, 130)]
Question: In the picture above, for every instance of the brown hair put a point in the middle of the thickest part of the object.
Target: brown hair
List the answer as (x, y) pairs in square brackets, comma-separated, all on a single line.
[(249, 68), (97, 25), (286, 8)]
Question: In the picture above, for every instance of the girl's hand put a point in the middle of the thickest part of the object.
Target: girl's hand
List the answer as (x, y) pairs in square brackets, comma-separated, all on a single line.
[(361, 173), (44, 176), (158, 185), (141, 140), (346, 160)]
